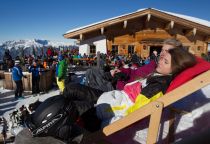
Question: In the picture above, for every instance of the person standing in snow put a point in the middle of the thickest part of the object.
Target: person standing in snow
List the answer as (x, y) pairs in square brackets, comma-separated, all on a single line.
[(61, 71), (17, 75), (35, 70)]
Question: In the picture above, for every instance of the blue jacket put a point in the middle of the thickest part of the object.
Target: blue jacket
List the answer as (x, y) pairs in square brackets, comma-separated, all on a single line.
[(17, 73), (34, 70), (56, 70)]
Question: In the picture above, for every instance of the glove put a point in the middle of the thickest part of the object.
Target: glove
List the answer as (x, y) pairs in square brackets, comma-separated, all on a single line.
[(59, 79)]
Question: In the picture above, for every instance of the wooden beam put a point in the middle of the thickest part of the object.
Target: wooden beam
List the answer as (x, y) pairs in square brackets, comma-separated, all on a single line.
[(148, 17), (102, 30), (81, 36), (147, 21), (194, 31), (125, 24), (190, 33), (170, 25)]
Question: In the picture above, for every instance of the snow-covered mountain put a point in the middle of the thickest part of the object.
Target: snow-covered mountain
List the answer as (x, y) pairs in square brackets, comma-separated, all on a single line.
[(28, 46), (35, 43)]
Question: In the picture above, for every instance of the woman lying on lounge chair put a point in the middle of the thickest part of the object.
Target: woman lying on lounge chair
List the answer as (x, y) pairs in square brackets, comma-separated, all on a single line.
[(145, 70), (113, 105)]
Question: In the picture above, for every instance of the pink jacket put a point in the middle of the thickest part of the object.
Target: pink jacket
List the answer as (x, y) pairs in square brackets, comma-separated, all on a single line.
[(134, 74)]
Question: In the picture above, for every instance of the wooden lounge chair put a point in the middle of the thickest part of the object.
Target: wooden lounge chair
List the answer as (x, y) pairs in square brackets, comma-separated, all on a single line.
[(195, 78)]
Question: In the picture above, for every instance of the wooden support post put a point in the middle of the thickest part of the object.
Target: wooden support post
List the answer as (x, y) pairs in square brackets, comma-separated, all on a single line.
[(154, 123)]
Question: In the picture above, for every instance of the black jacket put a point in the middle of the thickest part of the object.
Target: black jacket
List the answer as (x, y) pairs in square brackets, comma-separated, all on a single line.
[(156, 84), (83, 96)]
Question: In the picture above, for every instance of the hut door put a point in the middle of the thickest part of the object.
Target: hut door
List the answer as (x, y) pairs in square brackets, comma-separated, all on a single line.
[(157, 48)]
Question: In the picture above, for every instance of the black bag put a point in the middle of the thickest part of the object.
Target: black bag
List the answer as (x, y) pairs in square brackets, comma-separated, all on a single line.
[(96, 78), (54, 117)]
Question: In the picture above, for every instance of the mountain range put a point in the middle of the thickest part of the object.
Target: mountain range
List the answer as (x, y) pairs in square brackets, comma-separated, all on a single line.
[(28, 46)]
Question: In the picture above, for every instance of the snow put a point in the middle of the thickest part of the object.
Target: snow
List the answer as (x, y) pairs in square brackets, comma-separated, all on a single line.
[(190, 18), (9, 103), (32, 43)]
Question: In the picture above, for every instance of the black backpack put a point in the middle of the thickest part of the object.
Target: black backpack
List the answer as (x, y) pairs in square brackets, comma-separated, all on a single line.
[(55, 117)]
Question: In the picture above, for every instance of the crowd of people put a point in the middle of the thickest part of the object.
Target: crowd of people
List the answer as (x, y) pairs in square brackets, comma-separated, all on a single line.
[(58, 62)]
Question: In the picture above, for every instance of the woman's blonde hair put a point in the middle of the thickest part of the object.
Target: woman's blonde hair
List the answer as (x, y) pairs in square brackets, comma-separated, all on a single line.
[(174, 42)]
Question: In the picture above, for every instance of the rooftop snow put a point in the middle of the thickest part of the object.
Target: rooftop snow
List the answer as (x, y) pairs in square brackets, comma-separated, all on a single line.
[(190, 18), (72, 30)]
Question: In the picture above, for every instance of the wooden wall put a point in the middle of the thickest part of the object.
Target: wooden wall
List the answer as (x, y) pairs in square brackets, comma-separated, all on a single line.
[(196, 46)]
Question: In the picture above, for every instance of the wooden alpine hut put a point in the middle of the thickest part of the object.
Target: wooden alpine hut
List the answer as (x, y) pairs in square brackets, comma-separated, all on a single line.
[(142, 31)]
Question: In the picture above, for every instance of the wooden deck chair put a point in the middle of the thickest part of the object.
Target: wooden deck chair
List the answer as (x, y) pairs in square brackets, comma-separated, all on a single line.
[(193, 78)]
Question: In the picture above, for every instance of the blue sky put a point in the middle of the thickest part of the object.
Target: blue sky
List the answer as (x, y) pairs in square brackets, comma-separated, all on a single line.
[(50, 19)]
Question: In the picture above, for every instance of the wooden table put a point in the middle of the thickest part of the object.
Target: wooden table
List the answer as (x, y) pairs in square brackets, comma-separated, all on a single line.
[(45, 81)]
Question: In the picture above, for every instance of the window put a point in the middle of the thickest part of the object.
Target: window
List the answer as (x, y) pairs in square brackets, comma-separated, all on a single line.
[(131, 49), (92, 49), (115, 49)]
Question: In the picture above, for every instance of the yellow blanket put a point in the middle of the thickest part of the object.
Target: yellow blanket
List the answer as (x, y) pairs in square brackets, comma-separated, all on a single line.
[(142, 100)]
